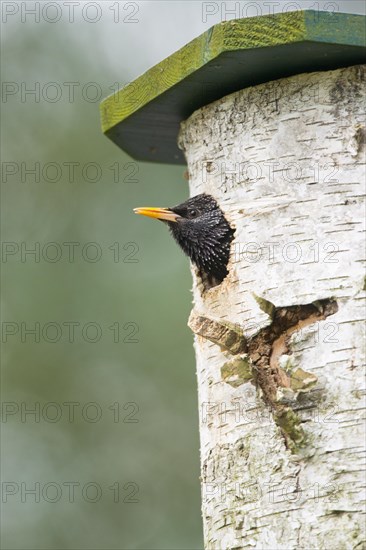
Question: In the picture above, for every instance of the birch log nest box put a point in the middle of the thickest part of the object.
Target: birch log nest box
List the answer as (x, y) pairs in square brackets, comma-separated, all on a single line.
[(268, 114)]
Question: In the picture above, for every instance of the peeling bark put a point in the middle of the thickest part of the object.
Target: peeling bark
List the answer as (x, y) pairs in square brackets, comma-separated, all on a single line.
[(279, 342)]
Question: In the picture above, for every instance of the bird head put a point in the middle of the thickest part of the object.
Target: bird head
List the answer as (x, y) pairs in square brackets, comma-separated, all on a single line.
[(202, 231)]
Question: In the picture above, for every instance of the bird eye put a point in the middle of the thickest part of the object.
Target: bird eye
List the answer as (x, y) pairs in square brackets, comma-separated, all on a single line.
[(192, 213)]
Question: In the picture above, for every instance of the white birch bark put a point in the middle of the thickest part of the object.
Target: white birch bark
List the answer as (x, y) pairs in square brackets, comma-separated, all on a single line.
[(286, 162)]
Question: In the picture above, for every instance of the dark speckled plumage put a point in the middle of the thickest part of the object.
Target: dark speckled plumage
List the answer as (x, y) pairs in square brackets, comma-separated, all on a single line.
[(204, 235)]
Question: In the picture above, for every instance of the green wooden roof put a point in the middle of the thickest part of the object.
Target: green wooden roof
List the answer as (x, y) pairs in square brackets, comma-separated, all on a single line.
[(143, 117)]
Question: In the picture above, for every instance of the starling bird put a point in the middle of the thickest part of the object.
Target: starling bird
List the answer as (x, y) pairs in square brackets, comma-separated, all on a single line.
[(201, 230)]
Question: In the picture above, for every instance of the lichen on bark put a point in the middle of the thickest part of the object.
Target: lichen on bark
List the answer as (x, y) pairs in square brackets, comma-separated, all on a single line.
[(261, 364)]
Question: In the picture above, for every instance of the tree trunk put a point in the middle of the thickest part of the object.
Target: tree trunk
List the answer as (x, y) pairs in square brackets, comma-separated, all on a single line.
[(279, 342)]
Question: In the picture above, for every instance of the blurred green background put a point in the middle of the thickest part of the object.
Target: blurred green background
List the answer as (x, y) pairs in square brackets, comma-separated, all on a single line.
[(143, 444), (122, 471)]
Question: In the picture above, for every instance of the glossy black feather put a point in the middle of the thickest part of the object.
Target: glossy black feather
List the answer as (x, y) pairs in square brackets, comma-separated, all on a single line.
[(204, 234)]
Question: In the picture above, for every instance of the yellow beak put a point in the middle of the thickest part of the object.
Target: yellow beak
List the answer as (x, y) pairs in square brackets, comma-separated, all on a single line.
[(159, 213)]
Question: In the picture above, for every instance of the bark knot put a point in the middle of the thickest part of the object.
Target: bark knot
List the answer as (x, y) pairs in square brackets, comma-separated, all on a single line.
[(257, 359)]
